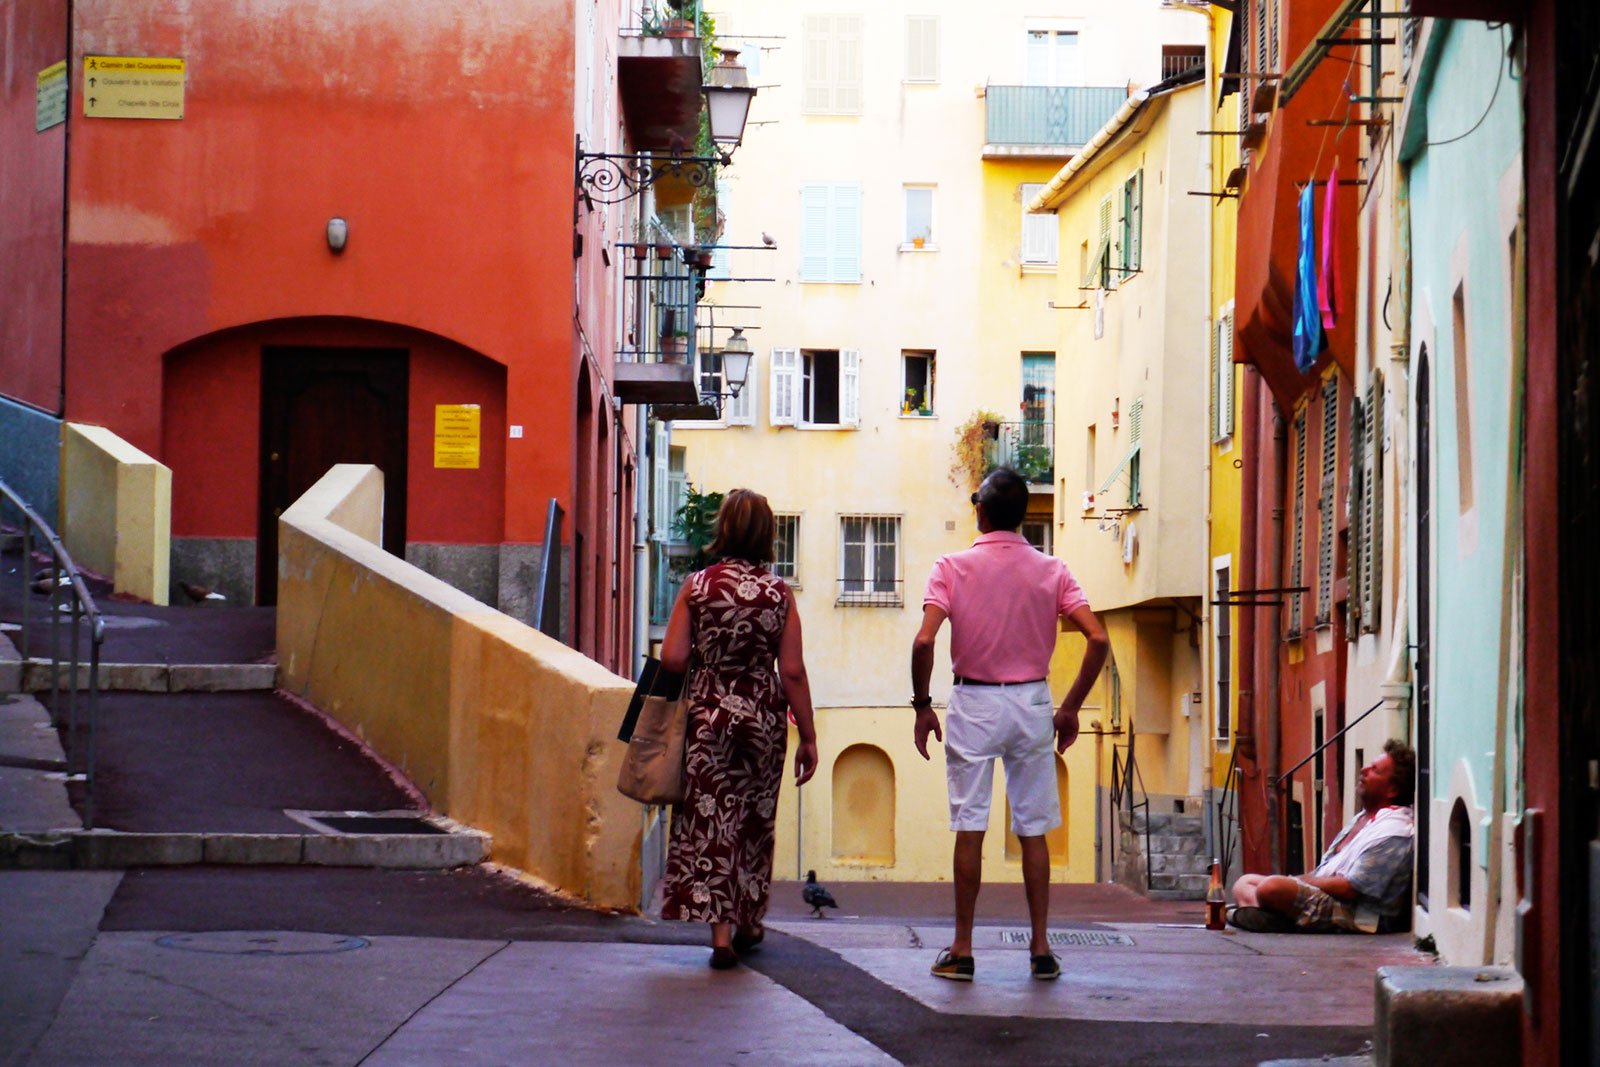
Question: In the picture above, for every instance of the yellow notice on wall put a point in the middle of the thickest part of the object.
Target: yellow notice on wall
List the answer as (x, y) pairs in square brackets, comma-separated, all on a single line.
[(456, 436), (50, 100), (133, 87)]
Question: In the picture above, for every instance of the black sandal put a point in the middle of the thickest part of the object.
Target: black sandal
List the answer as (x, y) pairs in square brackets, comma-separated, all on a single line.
[(747, 941), (723, 958)]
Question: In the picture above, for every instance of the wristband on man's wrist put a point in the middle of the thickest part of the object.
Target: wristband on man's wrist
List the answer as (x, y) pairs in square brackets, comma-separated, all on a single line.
[(921, 702)]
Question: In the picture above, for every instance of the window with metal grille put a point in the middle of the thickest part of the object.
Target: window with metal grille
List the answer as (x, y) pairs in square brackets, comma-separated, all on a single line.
[(1325, 499), (1297, 556), (785, 548), (869, 560)]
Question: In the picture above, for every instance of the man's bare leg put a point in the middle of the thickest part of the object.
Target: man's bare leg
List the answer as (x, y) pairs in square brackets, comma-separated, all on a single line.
[(969, 879), (1036, 883)]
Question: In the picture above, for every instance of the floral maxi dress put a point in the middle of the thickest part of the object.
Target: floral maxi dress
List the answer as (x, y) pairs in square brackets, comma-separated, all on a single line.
[(719, 862)]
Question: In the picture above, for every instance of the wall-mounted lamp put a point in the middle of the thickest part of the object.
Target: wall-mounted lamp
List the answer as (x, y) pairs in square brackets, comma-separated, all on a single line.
[(338, 234), (736, 362), (613, 177)]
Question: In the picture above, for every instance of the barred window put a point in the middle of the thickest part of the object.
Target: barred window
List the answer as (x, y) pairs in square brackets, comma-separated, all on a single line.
[(869, 560), (785, 547)]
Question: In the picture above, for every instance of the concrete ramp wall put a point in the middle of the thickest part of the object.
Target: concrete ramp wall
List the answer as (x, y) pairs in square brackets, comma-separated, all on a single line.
[(116, 511), (500, 726)]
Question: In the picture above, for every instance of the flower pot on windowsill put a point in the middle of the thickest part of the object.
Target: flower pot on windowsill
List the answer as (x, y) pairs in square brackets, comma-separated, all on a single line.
[(918, 242)]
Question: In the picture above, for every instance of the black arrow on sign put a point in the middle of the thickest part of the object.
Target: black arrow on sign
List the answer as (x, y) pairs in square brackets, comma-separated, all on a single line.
[(92, 82), (92, 101)]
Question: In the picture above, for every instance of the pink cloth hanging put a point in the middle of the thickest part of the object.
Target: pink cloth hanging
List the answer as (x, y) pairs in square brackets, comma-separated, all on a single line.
[(1329, 288)]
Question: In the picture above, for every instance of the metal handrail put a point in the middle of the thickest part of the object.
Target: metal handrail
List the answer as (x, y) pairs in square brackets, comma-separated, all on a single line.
[(546, 619), (79, 760), (1228, 811), (1284, 777), (1125, 779)]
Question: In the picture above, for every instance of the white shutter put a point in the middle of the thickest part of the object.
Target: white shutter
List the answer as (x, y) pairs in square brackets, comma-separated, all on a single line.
[(845, 248), (661, 516), (816, 46), (847, 64), (922, 48), (1039, 232), (816, 202), (1215, 330), (741, 409), (850, 387), (785, 380), (1225, 371), (1136, 222)]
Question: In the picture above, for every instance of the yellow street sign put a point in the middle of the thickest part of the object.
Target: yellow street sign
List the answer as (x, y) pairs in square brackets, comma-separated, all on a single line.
[(50, 98), (133, 87), (456, 433)]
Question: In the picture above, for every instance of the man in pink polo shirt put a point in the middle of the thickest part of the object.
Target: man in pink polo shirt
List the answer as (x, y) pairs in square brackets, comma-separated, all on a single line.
[(1003, 599)]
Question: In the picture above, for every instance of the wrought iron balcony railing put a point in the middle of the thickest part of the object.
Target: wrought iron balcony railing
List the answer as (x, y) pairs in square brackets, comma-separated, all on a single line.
[(660, 18), (1054, 117), (1029, 448)]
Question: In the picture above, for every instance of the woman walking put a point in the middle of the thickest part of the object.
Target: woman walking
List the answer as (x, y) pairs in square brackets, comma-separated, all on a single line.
[(736, 631)]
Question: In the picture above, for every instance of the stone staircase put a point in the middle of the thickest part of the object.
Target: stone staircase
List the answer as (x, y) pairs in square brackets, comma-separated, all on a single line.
[(1179, 868)]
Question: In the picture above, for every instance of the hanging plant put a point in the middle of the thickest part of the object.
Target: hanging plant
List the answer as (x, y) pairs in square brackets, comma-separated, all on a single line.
[(971, 448)]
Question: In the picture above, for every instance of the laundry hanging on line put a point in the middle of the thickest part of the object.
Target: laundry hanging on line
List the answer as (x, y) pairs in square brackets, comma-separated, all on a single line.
[(1308, 337), (1330, 287)]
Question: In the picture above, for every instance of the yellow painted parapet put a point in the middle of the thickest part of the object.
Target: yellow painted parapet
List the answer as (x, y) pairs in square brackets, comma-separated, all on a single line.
[(500, 726), (116, 511)]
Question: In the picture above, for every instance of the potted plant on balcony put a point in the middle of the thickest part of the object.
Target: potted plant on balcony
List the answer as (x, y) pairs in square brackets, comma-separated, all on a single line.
[(675, 347), (972, 450)]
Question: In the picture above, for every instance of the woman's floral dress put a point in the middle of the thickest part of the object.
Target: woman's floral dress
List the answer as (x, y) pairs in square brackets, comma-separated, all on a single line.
[(719, 862)]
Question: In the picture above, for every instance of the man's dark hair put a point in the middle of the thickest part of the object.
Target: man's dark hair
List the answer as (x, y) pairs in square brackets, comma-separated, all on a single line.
[(1004, 496), (1404, 779)]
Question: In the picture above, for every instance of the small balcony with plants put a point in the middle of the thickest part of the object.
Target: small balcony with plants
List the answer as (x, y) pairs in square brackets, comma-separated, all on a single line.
[(663, 53), (1027, 448), (661, 285), (1046, 121)]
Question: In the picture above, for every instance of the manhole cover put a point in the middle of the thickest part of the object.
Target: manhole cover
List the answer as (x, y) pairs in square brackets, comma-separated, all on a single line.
[(250, 943), (1078, 938)]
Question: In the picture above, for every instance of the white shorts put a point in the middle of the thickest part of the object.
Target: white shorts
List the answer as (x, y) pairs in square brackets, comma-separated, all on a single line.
[(1015, 723)]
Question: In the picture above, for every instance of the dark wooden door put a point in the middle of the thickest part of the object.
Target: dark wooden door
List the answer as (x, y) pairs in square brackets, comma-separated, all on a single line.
[(321, 406)]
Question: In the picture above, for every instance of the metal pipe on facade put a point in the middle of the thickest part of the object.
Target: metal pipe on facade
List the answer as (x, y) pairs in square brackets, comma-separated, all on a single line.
[(1274, 703)]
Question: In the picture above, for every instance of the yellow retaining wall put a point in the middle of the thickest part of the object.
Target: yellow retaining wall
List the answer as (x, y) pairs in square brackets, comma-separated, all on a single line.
[(116, 511), (501, 727)]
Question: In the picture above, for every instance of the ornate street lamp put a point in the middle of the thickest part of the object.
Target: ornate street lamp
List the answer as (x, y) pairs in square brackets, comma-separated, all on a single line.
[(613, 177), (736, 362)]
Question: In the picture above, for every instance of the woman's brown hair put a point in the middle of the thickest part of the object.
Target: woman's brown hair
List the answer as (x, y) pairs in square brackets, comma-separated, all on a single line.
[(744, 527)]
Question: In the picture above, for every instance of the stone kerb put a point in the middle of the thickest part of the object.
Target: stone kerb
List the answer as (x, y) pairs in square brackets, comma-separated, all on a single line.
[(501, 727), (116, 511)]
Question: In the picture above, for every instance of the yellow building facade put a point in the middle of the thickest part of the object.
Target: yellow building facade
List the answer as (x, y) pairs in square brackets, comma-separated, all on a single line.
[(897, 297), (1133, 453)]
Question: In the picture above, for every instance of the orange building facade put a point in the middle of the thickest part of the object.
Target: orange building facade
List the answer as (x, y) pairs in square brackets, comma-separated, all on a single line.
[(179, 281)]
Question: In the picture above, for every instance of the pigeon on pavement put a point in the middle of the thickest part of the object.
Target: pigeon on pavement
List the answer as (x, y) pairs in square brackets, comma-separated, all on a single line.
[(200, 594), (816, 896)]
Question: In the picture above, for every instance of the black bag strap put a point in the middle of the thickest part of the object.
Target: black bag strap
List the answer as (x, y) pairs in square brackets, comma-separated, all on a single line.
[(654, 681)]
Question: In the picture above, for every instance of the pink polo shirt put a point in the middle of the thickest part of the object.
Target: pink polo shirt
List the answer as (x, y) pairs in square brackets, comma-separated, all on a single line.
[(1003, 597)]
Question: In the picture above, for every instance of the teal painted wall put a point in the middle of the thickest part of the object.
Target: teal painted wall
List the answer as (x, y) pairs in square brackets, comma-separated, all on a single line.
[(1460, 219)]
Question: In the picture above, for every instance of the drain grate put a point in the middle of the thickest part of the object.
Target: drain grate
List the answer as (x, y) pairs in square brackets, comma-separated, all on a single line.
[(1070, 938), (253, 943)]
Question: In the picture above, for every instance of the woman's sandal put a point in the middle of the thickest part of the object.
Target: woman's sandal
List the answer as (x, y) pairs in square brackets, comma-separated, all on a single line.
[(747, 941), (723, 958)]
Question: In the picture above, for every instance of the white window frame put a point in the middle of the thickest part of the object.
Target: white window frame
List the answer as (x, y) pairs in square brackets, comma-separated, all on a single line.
[(922, 49), (908, 239), (787, 569), (1052, 71), (906, 357), (874, 529), (830, 233), (1049, 534), (788, 382), (831, 65), (1039, 245)]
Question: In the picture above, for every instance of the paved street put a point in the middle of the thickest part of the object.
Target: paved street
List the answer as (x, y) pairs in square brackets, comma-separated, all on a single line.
[(320, 966)]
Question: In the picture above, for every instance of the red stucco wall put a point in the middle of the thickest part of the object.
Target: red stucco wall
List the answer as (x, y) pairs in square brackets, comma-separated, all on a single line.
[(443, 135), (33, 36)]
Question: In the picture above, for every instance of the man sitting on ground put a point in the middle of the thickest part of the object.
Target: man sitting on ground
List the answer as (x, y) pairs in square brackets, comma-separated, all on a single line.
[(1363, 884)]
